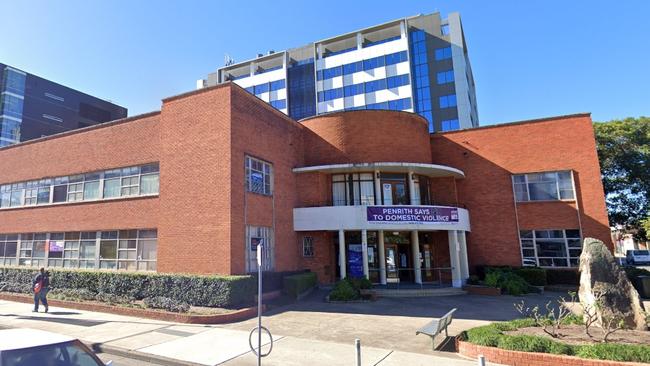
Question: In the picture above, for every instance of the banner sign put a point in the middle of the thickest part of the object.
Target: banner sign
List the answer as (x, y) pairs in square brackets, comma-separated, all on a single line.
[(355, 260), (412, 215)]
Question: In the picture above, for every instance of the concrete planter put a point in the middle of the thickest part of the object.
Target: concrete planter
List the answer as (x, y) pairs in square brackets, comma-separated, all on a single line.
[(482, 290)]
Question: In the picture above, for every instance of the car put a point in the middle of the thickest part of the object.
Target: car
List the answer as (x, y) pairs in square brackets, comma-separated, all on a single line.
[(32, 347), (637, 256)]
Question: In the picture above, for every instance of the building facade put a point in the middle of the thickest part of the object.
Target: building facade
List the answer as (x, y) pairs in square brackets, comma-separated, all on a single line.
[(195, 188), (32, 107), (417, 64)]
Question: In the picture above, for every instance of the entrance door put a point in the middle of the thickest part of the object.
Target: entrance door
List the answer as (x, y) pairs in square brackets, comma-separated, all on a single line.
[(395, 189), (392, 274)]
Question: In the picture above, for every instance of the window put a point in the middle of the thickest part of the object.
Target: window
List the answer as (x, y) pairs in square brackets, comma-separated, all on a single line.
[(373, 63), (262, 88), (422, 190), (447, 101), (332, 72), (353, 189), (399, 104), (131, 181), (397, 81), (420, 67), (443, 53), (279, 104), (108, 250), (8, 249), (258, 176), (551, 248), (375, 85), (444, 29), (308, 246), (277, 85), (445, 77), (395, 58), (137, 250), (351, 90), (547, 186), (352, 68), (330, 94), (256, 235), (450, 125), (32, 250)]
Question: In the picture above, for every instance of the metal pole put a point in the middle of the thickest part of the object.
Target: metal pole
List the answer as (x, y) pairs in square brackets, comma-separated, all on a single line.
[(259, 304), (357, 345), (481, 360)]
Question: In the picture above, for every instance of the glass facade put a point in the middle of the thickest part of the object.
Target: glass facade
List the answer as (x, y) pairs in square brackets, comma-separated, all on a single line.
[(302, 89), (12, 98), (420, 70)]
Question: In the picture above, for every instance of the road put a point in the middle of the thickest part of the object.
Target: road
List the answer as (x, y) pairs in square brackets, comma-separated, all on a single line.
[(122, 361)]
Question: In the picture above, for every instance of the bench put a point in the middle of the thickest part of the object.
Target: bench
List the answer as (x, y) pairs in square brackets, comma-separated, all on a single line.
[(436, 326)]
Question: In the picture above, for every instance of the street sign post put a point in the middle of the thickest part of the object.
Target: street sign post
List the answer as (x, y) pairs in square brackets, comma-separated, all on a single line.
[(258, 350)]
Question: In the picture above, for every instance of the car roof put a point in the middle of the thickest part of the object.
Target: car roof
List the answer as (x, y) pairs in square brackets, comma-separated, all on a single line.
[(11, 339)]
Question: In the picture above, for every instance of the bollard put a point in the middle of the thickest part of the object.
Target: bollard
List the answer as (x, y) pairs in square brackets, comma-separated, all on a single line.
[(481, 360), (357, 345)]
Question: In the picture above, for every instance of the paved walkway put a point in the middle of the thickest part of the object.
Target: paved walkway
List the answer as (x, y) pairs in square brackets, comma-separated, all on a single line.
[(309, 332)]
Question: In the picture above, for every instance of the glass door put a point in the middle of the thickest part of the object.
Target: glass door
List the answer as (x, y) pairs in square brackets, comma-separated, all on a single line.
[(395, 189), (392, 274)]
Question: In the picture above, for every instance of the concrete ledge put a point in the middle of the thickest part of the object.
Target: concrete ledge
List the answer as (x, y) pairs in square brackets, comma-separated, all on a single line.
[(137, 355), (517, 358), (482, 290), (235, 316)]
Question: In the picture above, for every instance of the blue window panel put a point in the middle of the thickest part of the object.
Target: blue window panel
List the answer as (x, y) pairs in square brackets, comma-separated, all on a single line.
[(370, 44), (395, 58), (399, 104), (445, 77), (262, 88), (12, 106), (417, 35), (373, 63), (279, 104), (332, 72), (383, 105), (352, 68), (301, 81), (450, 125), (443, 53), (250, 89), (375, 85), (277, 85), (397, 81), (14, 81), (319, 75), (444, 29), (351, 90), (331, 94), (447, 101), (355, 108)]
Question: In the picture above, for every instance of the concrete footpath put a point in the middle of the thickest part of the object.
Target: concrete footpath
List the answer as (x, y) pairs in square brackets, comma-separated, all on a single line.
[(182, 344)]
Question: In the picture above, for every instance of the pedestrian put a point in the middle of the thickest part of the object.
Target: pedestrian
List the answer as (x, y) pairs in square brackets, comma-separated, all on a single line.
[(40, 286)]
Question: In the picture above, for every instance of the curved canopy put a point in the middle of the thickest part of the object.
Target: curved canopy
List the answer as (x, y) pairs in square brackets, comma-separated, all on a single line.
[(430, 170)]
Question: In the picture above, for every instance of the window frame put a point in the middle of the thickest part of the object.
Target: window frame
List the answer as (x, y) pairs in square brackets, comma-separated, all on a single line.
[(308, 247), (558, 190), (532, 237), (267, 189)]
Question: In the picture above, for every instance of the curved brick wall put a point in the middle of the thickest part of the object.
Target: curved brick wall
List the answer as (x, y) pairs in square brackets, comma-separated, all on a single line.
[(365, 137)]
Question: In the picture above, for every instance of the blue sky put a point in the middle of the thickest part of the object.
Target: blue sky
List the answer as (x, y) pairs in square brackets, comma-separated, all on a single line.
[(530, 59)]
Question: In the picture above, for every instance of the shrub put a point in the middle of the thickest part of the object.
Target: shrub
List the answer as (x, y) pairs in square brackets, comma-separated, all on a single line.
[(73, 294), (506, 280), (487, 335), (534, 276), (528, 343), (343, 291), (112, 299), (615, 352), (165, 303), (297, 284), (274, 281), (21, 288), (359, 283), (562, 277), (221, 291)]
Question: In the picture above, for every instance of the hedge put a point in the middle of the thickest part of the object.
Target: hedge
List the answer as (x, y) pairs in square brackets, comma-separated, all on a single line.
[(274, 281), (197, 290), (563, 277), (492, 336), (532, 275), (297, 284)]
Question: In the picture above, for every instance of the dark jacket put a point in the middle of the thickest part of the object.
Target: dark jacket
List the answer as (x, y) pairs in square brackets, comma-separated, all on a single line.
[(42, 277)]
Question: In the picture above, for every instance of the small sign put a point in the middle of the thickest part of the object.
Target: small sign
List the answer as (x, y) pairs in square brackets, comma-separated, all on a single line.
[(56, 246), (355, 260), (254, 243), (259, 254)]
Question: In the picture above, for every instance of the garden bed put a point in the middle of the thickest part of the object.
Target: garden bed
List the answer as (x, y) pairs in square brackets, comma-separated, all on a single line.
[(520, 342), (196, 314)]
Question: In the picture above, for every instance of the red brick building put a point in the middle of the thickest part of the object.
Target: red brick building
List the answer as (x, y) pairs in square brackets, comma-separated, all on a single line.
[(195, 187)]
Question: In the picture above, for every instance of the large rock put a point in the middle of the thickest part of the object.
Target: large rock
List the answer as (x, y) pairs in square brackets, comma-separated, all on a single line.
[(599, 273)]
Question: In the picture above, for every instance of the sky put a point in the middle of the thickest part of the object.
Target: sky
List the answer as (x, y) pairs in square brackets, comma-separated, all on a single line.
[(531, 59)]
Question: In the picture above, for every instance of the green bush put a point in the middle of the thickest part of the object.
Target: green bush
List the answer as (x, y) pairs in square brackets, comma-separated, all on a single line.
[(487, 335), (534, 276), (219, 291), (113, 299), (295, 285), (528, 343), (165, 303), (506, 280), (562, 277), (359, 283), (615, 352), (72, 294), (343, 291), (20, 288)]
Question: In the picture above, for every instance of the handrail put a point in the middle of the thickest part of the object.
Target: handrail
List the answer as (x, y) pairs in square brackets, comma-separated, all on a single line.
[(356, 203)]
